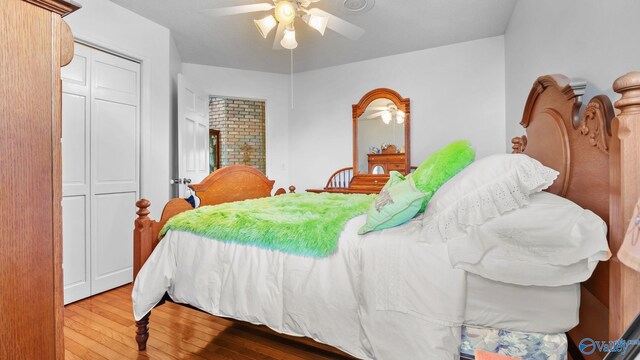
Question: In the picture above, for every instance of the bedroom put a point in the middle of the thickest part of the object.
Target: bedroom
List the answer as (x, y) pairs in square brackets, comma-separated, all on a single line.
[(467, 77)]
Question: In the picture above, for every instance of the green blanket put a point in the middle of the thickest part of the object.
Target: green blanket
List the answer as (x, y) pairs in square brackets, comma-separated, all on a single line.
[(301, 224)]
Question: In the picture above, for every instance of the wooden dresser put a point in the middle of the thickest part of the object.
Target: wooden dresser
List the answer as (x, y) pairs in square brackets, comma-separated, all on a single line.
[(35, 43), (388, 162)]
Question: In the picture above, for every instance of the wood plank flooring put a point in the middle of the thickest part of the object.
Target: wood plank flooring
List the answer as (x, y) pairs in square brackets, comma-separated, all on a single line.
[(102, 327)]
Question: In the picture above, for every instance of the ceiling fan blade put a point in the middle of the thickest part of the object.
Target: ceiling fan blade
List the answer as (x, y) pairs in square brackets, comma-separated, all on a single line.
[(278, 37), (240, 9), (340, 26)]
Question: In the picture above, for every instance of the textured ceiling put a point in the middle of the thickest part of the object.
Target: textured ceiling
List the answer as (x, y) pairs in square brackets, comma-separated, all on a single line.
[(392, 27)]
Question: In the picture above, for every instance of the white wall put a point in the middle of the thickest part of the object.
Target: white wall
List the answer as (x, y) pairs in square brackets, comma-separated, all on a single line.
[(109, 26), (593, 40), (272, 88), (456, 91)]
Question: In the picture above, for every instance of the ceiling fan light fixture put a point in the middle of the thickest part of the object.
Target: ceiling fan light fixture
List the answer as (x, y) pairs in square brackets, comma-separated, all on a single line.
[(318, 22), (400, 116), (289, 39), (386, 117), (265, 25), (285, 12)]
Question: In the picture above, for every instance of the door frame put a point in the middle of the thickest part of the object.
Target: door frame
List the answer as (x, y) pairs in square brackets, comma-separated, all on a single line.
[(215, 134)]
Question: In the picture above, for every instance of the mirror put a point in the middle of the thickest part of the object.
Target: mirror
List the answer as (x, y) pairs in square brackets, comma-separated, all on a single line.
[(381, 133)]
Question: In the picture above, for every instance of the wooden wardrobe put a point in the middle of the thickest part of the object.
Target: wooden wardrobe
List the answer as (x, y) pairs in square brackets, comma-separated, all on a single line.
[(34, 43)]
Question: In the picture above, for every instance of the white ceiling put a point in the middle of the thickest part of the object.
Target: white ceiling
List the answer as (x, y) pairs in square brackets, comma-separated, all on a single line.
[(392, 27)]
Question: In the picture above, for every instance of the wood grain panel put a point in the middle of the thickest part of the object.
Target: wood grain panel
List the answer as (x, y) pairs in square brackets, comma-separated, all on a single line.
[(625, 190), (26, 246), (33, 35)]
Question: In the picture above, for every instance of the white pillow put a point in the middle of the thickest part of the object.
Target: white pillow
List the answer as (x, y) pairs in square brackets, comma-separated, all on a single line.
[(485, 189), (550, 242)]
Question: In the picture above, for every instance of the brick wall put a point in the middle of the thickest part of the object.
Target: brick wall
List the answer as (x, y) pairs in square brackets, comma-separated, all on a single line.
[(242, 131)]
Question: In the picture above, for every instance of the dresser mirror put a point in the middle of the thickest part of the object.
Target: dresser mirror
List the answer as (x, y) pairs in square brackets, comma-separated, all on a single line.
[(381, 128)]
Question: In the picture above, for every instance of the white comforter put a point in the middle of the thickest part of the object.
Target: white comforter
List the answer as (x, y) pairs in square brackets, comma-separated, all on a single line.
[(385, 295)]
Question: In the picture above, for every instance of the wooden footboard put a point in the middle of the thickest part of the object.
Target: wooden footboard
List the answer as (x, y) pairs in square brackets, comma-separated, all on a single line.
[(233, 183), (146, 231)]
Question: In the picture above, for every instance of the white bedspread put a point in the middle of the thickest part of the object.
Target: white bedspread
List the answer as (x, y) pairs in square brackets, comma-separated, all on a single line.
[(385, 295)]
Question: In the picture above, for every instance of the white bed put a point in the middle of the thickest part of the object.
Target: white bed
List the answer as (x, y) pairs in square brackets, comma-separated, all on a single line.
[(380, 301), (387, 295)]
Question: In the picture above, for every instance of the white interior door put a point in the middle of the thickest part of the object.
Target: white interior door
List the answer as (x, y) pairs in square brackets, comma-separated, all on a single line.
[(193, 134), (100, 160), (115, 164), (76, 194)]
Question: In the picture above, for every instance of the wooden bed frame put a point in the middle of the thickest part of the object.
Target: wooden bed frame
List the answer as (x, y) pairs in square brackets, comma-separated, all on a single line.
[(596, 152)]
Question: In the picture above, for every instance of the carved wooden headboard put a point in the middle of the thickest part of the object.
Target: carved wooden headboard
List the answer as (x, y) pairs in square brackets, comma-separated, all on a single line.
[(578, 147), (233, 183), (575, 146)]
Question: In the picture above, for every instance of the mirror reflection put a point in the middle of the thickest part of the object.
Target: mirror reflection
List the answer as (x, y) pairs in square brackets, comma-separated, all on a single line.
[(381, 132)]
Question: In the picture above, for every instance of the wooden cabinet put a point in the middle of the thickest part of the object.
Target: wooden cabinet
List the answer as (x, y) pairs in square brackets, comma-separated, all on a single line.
[(387, 162), (35, 43)]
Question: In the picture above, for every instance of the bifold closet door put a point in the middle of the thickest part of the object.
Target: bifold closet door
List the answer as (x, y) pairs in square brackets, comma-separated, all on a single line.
[(76, 192), (101, 152), (115, 154)]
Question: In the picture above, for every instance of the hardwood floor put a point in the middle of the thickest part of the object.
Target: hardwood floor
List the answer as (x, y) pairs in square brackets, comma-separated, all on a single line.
[(102, 327)]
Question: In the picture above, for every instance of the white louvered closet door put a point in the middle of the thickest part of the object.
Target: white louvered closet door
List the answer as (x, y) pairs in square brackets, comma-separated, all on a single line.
[(101, 162)]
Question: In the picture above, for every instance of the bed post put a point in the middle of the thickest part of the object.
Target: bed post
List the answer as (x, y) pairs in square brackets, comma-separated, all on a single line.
[(624, 289), (142, 332), (143, 242)]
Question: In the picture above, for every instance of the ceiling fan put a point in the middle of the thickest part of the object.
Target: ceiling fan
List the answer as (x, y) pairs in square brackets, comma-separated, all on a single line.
[(386, 113), (284, 15)]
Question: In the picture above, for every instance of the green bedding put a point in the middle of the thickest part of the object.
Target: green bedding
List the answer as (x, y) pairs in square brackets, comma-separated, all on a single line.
[(301, 224)]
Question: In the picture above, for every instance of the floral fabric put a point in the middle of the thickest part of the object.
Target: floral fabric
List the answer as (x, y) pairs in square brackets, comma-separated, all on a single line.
[(527, 346)]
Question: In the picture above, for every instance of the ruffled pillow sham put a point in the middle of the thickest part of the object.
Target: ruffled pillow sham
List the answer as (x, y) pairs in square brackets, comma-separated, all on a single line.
[(486, 189), (550, 242)]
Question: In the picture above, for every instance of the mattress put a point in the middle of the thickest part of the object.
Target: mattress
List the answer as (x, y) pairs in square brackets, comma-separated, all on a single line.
[(526, 346), (536, 309), (386, 295)]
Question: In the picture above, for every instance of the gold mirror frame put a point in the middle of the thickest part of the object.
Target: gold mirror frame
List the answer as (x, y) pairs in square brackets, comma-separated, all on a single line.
[(402, 104)]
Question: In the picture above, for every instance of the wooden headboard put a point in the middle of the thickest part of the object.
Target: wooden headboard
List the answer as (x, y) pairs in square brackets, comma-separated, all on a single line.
[(233, 183), (586, 149)]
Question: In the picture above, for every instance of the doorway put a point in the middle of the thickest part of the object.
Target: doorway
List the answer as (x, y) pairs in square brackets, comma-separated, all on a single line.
[(241, 126)]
